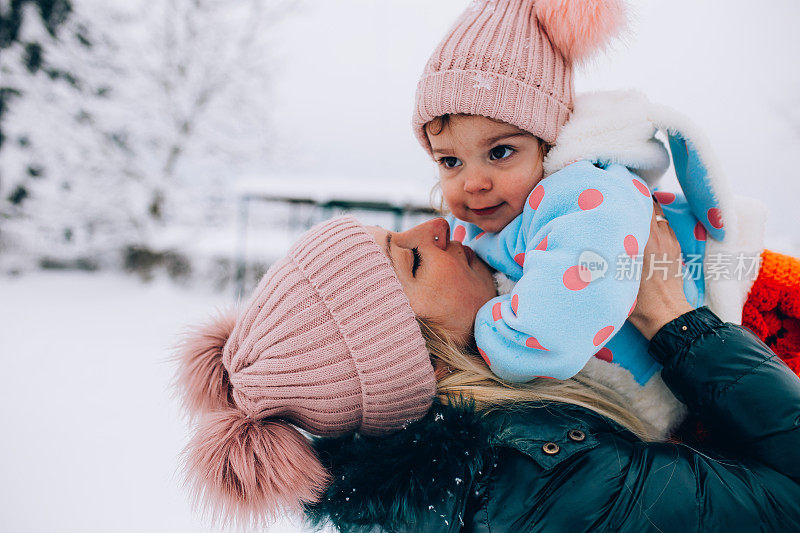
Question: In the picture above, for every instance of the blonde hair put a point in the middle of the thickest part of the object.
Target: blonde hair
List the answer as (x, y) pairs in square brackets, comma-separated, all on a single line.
[(461, 373)]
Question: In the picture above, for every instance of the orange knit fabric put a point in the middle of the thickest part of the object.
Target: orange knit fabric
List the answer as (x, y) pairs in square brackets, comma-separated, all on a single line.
[(772, 309)]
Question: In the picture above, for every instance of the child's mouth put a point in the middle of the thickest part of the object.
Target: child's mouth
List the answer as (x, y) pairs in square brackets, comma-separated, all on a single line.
[(486, 210)]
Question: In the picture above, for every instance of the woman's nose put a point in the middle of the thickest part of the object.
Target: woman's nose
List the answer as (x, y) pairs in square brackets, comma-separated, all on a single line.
[(440, 232), (435, 231)]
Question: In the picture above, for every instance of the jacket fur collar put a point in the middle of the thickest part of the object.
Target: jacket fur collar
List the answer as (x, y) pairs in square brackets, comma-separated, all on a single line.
[(428, 470), (425, 468)]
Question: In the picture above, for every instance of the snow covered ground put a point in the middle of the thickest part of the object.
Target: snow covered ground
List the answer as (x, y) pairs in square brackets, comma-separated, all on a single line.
[(91, 434)]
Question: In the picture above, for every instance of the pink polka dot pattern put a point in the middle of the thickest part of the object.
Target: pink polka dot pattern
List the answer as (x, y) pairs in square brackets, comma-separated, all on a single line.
[(496, 312), (604, 354), (531, 342), (520, 258), (485, 357), (535, 197), (542, 245), (479, 235), (589, 199), (459, 233), (664, 197), (641, 186), (631, 246), (514, 303), (715, 217), (602, 335), (576, 277), (700, 232)]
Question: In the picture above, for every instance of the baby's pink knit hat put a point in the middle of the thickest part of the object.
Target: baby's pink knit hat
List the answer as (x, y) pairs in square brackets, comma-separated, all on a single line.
[(329, 343), (511, 60)]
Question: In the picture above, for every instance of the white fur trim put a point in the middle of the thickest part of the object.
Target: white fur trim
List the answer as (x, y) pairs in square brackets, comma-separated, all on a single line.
[(726, 297), (653, 403), (611, 127), (620, 127), (503, 284)]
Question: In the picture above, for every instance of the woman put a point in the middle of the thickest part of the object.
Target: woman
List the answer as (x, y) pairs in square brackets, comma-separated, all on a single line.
[(330, 342)]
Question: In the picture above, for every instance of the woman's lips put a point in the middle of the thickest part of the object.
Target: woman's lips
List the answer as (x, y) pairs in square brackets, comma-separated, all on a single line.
[(486, 210), (470, 255)]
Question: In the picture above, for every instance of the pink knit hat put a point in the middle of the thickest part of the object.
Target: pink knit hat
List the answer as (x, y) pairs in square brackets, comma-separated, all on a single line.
[(328, 342), (511, 60)]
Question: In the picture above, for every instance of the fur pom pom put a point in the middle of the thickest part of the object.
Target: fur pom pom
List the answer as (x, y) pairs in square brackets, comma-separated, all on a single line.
[(202, 379), (578, 28), (247, 471)]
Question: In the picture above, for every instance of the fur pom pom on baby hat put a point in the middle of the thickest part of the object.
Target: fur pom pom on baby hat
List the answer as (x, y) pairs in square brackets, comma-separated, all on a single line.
[(579, 28), (511, 60), (328, 342)]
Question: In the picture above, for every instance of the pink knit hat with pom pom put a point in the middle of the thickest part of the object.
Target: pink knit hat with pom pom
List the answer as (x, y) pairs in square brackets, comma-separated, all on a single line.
[(328, 342), (511, 60)]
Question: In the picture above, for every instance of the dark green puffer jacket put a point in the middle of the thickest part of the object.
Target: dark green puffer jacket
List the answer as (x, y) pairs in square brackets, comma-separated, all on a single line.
[(562, 468)]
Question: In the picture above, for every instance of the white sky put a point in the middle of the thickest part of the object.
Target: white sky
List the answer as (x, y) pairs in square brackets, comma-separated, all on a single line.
[(349, 68)]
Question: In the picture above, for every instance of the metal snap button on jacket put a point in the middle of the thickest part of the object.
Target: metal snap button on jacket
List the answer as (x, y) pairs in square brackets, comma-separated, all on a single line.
[(551, 448), (577, 435)]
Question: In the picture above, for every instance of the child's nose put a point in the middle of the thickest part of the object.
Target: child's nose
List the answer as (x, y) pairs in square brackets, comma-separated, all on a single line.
[(477, 181)]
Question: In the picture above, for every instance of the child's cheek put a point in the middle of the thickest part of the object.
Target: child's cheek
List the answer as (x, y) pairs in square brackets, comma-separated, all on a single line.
[(449, 196), (517, 208), (458, 209)]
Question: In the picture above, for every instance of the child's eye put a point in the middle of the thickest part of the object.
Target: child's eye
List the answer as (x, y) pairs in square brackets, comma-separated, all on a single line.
[(449, 162), (500, 152)]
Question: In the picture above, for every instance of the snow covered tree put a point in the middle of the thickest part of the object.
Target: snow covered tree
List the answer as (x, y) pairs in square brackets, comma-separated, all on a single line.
[(23, 57), (52, 14), (136, 116)]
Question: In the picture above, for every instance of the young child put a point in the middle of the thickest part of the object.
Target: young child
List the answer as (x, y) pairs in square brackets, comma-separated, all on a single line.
[(538, 232), (551, 191)]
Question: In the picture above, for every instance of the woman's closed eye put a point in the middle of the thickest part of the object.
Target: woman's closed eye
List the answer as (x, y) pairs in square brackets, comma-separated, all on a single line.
[(501, 152), (417, 261)]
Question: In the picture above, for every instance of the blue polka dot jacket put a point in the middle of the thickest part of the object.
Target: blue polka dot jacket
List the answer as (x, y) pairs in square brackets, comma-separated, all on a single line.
[(574, 254), (573, 251)]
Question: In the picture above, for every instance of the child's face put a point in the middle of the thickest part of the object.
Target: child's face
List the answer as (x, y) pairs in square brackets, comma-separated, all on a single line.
[(487, 168)]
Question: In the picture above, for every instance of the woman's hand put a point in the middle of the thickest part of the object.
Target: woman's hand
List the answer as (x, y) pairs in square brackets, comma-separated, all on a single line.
[(661, 298)]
